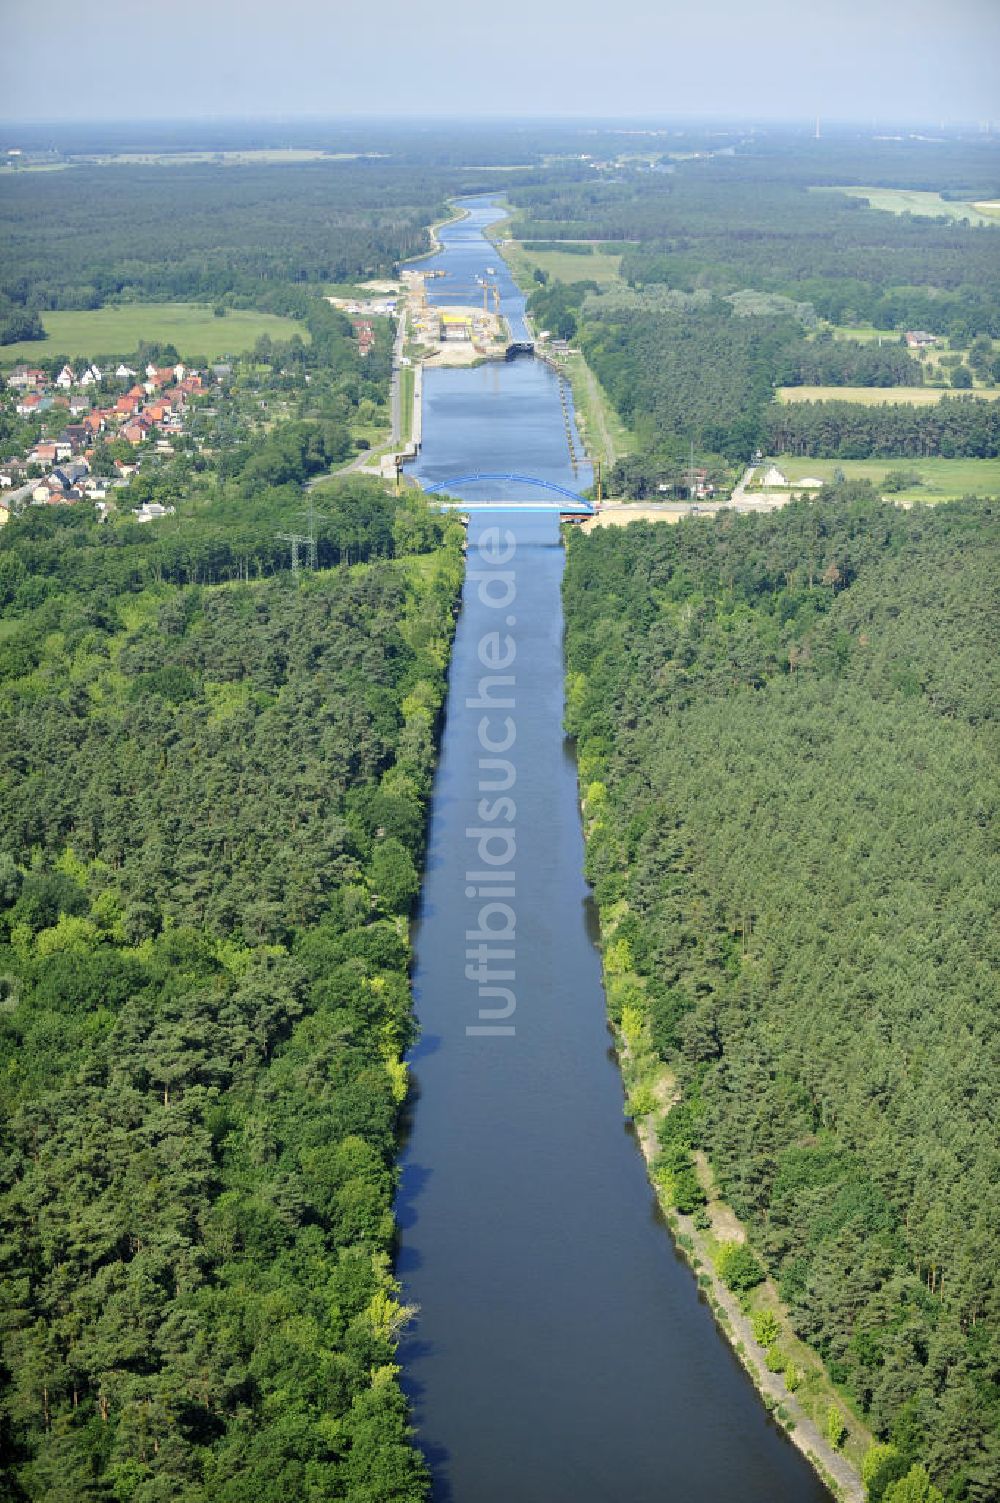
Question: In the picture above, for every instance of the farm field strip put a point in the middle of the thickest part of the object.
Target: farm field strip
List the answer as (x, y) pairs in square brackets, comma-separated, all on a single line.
[(874, 396)]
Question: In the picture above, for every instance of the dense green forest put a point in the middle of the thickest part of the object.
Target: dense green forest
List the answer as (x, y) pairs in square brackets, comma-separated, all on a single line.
[(212, 807), (89, 235), (787, 729)]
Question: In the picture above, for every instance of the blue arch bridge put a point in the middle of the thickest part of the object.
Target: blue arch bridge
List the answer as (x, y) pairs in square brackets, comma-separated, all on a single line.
[(568, 503)]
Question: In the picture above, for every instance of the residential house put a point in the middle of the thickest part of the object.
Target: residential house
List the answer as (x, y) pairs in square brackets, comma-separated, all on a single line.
[(48, 490), (11, 474), (150, 510), (27, 378), (71, 472), (156, 380), (29, 405), (125, 372), (91, 376), (66, 378), (919, 339), (136, 431), (97, 487)]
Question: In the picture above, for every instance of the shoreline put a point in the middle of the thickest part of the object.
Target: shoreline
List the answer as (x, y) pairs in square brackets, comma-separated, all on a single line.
[(837, 1472), (432, 230)]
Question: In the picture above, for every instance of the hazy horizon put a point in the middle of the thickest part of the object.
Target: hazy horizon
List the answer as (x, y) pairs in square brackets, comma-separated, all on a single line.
[(849, 61)]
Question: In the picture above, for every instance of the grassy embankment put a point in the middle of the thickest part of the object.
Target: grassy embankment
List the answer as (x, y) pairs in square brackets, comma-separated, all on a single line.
[(407, 376), (788, 1375), (596, 263), (191, 328)]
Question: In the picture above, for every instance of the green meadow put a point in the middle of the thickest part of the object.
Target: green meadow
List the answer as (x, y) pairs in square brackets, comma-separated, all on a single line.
[(942, 479), (910, 201), (191, 328)]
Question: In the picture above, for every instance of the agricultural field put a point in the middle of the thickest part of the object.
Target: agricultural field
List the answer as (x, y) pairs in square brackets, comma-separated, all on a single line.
[(874, 396), (910, 201), (600, 266), (942, 479), (192, 328)]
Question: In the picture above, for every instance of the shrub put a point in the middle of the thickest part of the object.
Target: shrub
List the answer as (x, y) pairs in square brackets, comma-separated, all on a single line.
[(835, 1428), (774, 1358), (738, 1267), (765, 1327)]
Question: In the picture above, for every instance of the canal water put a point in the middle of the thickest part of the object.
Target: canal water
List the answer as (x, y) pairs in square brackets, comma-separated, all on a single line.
[(561, 1353)]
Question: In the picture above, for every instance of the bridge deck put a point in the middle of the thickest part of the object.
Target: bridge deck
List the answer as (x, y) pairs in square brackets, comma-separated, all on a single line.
[(564, 508)]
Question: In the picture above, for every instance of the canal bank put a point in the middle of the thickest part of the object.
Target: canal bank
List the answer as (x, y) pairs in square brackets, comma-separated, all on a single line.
[(561, 1354)]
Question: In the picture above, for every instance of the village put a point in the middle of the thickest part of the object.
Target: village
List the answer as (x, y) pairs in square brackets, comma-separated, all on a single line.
[(59, 469)]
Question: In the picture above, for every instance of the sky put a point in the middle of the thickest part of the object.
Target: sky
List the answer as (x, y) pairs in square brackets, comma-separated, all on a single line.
[(851, 60)]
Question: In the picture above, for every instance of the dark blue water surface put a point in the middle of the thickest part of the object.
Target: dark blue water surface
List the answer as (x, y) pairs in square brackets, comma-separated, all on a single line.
[(561, 1354)]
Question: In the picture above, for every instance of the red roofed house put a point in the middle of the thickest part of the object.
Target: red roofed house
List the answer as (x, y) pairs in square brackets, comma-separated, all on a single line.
[(136, 431)]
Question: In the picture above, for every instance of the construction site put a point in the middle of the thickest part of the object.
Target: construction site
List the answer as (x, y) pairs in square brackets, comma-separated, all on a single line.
[(454, 334)]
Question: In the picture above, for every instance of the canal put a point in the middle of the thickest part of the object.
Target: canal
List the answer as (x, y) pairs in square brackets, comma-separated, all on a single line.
[(561, 1353)]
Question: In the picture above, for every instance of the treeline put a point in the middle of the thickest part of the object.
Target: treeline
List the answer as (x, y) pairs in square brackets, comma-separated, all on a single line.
[(786, 728), (213, 806), (954, 428)]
